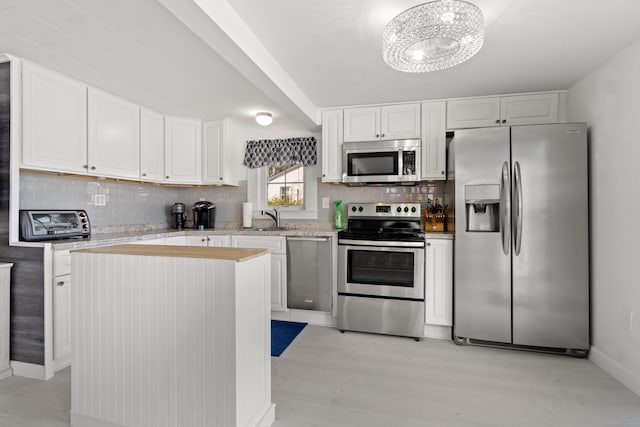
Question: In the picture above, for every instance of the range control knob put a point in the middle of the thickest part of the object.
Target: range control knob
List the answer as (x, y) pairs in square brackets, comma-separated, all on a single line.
[(413, 209), (406, 209), (360, 209), (353, 209), (399, 209)]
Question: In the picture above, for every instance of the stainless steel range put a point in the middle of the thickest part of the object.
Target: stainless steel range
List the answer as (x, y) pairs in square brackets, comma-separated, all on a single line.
[(381, 270)]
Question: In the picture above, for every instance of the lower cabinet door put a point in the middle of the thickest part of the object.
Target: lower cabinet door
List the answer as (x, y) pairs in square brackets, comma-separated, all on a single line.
[(61, 320), (438, 296), (278, 282)]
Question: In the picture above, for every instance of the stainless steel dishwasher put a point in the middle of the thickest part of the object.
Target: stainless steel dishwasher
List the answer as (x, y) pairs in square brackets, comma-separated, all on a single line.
[(309, 272)]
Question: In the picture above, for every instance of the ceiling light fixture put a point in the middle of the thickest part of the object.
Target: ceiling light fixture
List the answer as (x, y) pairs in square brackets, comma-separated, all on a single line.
[(433, 36), (264, 119)]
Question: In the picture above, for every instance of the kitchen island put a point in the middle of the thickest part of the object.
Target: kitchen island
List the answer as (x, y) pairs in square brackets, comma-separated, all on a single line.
[(171, 336)]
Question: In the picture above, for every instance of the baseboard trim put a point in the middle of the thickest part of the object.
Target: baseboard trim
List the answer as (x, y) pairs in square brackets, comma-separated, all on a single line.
[(615, 369), (29, 370), (6, 372), (320, 318), (437, 331), (267, 418), (79, 420)]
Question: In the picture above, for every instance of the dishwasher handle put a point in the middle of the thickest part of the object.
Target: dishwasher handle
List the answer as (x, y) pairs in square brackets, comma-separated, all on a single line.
[(309, 239)]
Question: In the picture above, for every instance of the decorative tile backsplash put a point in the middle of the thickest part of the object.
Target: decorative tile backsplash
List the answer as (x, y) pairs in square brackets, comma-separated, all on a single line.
[(136, 207)]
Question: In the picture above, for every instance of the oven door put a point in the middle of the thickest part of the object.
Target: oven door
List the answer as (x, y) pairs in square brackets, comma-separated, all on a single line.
[(384, 269)]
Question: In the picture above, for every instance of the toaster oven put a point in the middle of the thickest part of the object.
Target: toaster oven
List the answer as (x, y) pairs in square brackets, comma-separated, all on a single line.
[(36, 225)]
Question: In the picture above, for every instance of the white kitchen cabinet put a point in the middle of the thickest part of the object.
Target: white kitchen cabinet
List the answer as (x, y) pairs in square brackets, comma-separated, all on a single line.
[(386, 122), (151, 146), (61, 321), (473, 113), (183, 150), (176, 241), (215, 146), (219, 240), (439, 282), (529, 109), (332, 137), (434, 143), (54, 121), (278, 246), (196, 240), (503, 111), (114, 136)]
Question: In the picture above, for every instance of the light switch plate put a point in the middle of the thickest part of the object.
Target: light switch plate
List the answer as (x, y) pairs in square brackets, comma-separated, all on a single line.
[(325, 203)]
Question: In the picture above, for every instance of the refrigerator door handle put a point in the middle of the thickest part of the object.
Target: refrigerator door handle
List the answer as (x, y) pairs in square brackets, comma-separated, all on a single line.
[(505, 208), (517, 212)]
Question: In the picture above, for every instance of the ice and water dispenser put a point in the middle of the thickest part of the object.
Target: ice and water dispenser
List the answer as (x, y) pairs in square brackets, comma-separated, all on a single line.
[(482, 207)]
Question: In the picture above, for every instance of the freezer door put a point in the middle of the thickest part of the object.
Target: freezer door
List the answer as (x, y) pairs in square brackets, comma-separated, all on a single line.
[(550, 236), (482, 267)]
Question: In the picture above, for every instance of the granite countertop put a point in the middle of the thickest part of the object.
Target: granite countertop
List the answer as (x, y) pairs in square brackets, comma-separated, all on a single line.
[(102, 239), (231, 254)]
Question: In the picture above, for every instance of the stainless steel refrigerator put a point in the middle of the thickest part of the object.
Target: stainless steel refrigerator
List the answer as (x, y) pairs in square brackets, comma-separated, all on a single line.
[(521, 274)]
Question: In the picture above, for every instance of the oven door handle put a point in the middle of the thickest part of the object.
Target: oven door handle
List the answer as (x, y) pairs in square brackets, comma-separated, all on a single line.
[(381, 243)]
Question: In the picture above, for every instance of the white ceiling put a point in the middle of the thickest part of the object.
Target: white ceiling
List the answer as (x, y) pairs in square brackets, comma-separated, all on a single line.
[(206, 61)]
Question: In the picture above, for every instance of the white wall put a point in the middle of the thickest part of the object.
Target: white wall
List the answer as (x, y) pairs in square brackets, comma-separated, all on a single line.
[(609, 100)]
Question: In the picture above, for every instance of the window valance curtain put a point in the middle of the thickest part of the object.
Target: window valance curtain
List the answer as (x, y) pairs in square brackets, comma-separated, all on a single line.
[(279, 152)]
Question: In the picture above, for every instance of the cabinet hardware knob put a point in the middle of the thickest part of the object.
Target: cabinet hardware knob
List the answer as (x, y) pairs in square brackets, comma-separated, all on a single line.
[(498, 121), (441, 172), (144, 174), (428, 244), (504, 121), (167, 177), (60, 283), (323, 175), (93, 168), (203, 240), (377, 135), (382, 135), (85, 166)]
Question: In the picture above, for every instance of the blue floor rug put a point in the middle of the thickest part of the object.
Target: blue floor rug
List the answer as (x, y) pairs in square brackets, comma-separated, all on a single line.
[(282, 334)]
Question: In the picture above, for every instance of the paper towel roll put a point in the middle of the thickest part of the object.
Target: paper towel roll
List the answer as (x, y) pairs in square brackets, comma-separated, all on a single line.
[(247, 213)]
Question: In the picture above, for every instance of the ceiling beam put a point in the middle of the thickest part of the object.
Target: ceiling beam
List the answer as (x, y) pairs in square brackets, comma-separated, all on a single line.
[(218, 25)]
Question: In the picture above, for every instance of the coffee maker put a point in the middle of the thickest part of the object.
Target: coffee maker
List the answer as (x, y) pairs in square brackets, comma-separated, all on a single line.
[(179, 215), (204, 215)]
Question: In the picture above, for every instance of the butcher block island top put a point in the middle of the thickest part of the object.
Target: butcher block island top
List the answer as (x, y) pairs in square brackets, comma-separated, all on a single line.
[(233, 254), (171, 336)]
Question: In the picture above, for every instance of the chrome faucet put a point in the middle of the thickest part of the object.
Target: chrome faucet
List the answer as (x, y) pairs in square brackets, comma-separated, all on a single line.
[(274, 216)]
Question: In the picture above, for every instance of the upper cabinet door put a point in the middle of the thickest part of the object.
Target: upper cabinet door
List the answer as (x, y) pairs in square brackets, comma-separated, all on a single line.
[(114, 136), (183, 150), (361, 124), (529, 109), (434, 143), (332, 146), (473, 113), (54, 121), (151, 146), (215, 170), (400, 121)]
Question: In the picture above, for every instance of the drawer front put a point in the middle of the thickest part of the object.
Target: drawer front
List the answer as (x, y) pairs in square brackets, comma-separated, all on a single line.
[(277, 244), (61, 263)]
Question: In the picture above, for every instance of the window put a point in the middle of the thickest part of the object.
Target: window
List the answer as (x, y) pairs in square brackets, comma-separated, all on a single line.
[(300, 185), (285, 186)]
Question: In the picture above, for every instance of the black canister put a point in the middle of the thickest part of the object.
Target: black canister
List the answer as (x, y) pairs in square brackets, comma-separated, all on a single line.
[(204, 215)]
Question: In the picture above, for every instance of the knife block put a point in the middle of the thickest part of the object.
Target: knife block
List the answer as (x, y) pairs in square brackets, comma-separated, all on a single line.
[(434, 221)]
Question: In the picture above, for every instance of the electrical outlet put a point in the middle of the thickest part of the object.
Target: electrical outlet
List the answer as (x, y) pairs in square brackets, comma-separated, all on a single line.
[(325, 203), (627, 321), (99, 199)]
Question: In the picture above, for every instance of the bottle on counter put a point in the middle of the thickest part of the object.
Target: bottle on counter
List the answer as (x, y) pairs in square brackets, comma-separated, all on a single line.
[(338, 215)]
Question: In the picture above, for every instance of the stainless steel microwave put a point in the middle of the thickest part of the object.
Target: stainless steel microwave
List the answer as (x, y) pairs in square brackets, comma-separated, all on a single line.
[(381, 162)]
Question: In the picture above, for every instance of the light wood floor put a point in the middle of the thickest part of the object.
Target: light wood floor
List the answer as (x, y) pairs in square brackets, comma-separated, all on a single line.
[(330, 379)]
